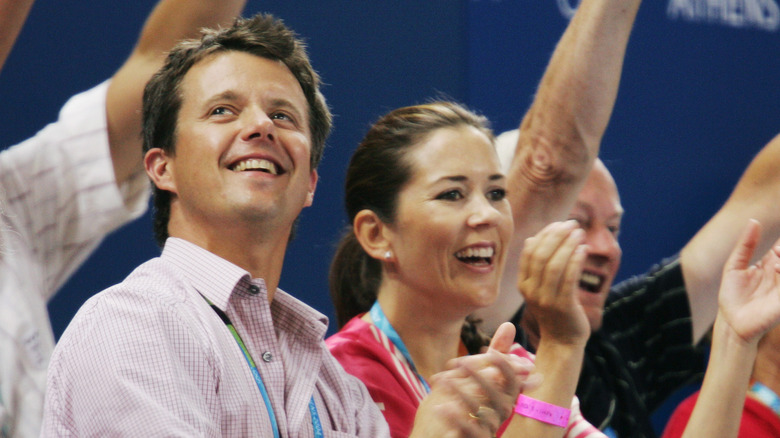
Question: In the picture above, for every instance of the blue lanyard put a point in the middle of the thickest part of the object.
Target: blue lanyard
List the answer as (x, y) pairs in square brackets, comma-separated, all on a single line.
[(380, 320), (315, 417), (766, 396)]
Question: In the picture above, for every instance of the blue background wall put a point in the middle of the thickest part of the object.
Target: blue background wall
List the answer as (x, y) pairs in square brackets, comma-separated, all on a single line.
[(699, 97)]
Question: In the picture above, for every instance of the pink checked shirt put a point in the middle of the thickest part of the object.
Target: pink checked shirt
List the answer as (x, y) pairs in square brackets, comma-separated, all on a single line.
[(150, 357)]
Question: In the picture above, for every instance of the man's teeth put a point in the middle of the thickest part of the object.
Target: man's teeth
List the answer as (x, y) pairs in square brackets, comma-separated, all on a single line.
[(475, 255), (256, 164), (591, 282)]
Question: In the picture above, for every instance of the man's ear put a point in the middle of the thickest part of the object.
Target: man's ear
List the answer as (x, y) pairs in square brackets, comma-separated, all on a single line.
[(312, 186), (373, 235), (157, 165)]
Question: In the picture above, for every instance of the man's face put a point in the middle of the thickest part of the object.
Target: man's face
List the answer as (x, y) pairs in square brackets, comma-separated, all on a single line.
[(599, 213), (242, 147)]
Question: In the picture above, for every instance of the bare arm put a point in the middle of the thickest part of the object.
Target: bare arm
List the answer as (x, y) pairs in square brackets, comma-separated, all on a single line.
[(561, 133), (755, 196), (13, 13), (749, 307), (550, 267), (171, 21)]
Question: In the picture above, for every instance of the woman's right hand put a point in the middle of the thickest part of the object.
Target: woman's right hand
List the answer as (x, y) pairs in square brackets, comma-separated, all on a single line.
[(550, 268), (477, 393)]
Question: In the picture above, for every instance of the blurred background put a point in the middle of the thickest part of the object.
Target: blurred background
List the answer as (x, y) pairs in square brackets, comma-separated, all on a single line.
[(700, 96)]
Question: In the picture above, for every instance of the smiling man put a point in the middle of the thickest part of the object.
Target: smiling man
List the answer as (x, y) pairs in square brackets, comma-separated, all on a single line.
[(201, 341), (65, 188), (234, 128)]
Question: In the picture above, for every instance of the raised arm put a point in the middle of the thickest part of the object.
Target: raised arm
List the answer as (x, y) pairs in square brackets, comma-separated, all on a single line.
[(548, 160), (561, 133), (550, 268), (171, 21), (755, 196), (13, 13), (749, 307)]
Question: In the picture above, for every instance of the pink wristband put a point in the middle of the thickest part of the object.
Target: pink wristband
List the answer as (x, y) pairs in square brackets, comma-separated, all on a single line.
[(544, 412)]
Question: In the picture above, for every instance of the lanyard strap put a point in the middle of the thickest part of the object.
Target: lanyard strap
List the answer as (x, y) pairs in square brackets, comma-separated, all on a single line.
[(766, 396), (315, 417), (382, 323)]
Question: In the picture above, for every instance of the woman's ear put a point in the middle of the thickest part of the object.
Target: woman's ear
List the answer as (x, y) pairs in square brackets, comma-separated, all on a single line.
[(158, 167), (372, 234)]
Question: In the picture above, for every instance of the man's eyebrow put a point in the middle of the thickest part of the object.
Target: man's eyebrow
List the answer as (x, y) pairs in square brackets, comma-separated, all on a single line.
[(228, 95), (287, 104)]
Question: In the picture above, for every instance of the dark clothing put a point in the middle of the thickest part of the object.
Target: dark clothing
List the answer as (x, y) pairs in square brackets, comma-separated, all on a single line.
[(642, 354)]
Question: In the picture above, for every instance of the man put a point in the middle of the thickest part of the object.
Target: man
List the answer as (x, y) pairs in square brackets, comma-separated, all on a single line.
[(644, 331), (553, 152), (67, 187), (201, 341), (561, 133)]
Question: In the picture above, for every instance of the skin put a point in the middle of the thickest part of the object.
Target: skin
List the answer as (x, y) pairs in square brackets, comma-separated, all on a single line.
[(767, 367), (552, 262), (13, 14), (598, 210), (457, 204), (749, 306), (170, 22), (428, 288), (236, 107), (552, 153), (597, 214), (445, 210)]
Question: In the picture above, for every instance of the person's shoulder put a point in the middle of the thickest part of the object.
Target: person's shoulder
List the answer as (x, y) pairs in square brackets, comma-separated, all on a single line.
[(361, 348), (679, 418), (349, 337), (155, 275), (151, 296), (153, 284), (663, 276)]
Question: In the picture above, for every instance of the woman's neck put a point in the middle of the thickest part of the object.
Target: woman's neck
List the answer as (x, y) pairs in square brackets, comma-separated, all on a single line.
[(767, 368), (431, 337)]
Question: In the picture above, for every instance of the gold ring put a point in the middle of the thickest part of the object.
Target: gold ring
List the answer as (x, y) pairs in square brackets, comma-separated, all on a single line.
[(476, 417), (484, 408)]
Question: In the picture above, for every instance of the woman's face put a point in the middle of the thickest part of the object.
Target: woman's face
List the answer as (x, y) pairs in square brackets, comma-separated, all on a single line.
[(453, 221)]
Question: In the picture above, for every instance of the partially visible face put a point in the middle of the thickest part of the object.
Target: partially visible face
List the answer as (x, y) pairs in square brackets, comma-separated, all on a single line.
[(599, 213), (453, 221), (242, 144)]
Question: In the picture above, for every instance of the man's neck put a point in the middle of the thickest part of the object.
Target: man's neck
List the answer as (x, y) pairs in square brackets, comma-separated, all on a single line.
[(258, 254)]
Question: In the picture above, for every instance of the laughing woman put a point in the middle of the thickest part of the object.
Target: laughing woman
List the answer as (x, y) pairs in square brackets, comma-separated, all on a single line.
[(429, 231)]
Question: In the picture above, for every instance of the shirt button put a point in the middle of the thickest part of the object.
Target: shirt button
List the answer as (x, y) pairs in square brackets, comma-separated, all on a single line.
[(254, 290), (267, 356)]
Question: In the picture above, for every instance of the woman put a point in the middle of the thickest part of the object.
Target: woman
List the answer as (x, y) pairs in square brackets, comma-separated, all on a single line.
[(743, 334), (430, 228)]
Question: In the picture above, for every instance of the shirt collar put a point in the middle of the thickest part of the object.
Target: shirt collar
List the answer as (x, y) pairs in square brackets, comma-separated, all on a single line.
[(294, 316), (212, 276), (217, 279)]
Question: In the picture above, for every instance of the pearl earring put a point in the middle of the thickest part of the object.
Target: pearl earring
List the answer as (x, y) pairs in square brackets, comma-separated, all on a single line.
[(388, 255)]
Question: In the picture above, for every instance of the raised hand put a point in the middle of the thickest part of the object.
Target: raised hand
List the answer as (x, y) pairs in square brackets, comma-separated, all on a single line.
[(550, 269), (749, 299)]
